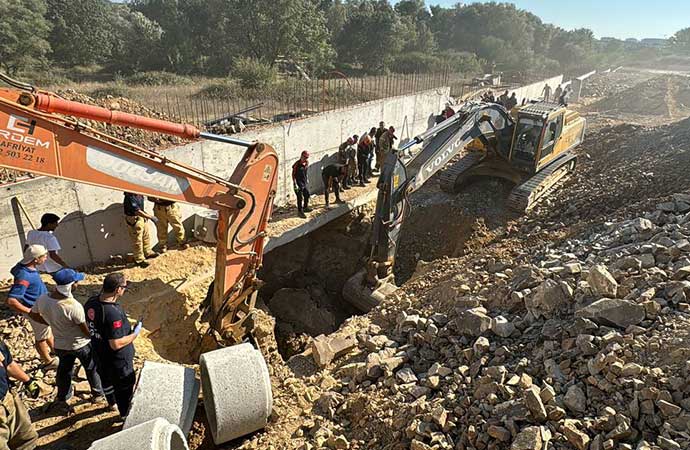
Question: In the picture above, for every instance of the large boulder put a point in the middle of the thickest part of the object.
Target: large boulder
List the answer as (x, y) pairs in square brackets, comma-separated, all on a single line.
[(613, 312), (547, 299), (602, 282), (472, 322)]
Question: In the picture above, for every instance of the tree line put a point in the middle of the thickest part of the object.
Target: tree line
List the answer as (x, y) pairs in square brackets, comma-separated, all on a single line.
[(214, 37)]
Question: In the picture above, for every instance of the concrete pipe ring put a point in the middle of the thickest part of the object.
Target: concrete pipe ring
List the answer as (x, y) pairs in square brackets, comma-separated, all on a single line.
[(237, 391), (156, 434)]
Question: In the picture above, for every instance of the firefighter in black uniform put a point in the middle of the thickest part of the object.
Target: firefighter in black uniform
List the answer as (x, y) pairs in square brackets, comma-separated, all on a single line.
[(300, 182), (332, 176), (112, 338)]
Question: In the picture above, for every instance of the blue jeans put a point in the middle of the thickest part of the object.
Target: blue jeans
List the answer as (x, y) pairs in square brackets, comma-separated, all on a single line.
[(65, 371)]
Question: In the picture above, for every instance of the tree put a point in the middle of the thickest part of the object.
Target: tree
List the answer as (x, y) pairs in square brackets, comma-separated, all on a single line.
[(372, 36), (681, 40), (23, 34), (139, 45), (82, 32)]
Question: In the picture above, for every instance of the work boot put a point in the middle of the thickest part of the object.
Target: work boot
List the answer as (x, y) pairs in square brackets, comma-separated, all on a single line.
[(307, 209), (301, 214), (152, 255), (162, 249), (143, 264)]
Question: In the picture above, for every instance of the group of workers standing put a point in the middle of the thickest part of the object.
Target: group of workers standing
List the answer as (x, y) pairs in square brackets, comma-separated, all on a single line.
[(358, 159), (560, 95), (98, 332)]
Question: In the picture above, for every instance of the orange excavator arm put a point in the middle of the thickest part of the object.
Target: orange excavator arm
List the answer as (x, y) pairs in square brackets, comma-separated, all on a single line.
[(37, 135)]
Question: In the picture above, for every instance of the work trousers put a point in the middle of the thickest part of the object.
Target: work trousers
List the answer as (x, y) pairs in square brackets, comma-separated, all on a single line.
[(329, 183), (168, 215), (363, 167), (118, 380), (302, 197), (65, 371), (381, 155), (139, 235), (352, 170), (16, 430)]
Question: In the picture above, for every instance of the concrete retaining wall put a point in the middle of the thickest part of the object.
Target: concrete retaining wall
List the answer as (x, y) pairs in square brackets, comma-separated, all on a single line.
[(92, 229), (534, 91)]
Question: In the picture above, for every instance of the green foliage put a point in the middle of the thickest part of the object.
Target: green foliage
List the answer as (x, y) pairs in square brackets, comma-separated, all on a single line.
[(253, 73), (224, 89), (462, 62), (139, 46), (23, 34), (157, 78), (372, 36), (418, 62), (681, 41), (82, 32)]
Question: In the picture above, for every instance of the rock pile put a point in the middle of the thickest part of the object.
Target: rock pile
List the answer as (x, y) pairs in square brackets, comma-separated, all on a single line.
[(578, 347), (667, 95)]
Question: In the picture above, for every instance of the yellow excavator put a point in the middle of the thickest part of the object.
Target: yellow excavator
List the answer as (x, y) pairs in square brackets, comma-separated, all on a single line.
[(531, 146)]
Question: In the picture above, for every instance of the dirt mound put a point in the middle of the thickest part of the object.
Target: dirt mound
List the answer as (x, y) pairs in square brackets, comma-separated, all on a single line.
[(623, 167), (141, 138), (667, 96)]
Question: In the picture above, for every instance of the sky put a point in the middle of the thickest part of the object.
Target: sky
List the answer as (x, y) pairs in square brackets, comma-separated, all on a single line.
[(621, 19)]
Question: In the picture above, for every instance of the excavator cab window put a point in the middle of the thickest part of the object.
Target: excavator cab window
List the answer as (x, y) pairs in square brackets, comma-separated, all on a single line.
[(553, 131), (527, 139)]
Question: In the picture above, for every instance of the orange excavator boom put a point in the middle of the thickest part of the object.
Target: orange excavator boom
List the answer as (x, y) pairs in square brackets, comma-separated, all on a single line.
[(38, 135)]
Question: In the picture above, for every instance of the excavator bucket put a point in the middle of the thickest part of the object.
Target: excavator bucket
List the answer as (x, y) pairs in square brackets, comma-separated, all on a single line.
[(364, 297)]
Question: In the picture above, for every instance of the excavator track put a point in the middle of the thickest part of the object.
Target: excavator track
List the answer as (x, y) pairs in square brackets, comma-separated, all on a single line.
[(450, 175), (526, 195)]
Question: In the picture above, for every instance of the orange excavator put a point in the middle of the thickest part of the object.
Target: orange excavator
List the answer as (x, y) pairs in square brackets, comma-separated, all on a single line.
[(40, 133)]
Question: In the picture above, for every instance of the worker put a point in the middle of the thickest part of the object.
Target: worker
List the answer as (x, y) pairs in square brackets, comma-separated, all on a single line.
[(503, 99), (344, 158), (379, 132), (448, 112), (557, 93), (168, 213), (512, 102), (137, 227), (16, 430), (372, 152), (65, 316), (352, 173), (564, 99), (546, 92), (112, 339), (387, 140), (300, 183), (364, 149), (332, 175), (26, 288), (45, 236)]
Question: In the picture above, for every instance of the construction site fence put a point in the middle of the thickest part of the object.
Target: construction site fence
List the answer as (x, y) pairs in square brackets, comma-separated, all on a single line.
[(294, 98)]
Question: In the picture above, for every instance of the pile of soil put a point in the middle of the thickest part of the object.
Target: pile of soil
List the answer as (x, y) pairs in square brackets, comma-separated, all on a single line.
[(666, 96)]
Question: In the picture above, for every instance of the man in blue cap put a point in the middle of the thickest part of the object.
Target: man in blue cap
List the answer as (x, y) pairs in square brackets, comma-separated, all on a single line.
[(26, 288), (66, 317)]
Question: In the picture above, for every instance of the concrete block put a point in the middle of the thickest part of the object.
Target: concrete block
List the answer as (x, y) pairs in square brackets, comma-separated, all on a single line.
[(237, 391), (326, 348), (156, 434), (164, 390)]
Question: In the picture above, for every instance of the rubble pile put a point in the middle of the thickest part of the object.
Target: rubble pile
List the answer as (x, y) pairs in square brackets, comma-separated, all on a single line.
[(622, 168), (667, 96), (607, 84), (141, 138), (579, 345)]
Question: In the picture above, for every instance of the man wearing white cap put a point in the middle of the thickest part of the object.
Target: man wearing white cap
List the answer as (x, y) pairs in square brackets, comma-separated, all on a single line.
[(25, 290), (66, 318)]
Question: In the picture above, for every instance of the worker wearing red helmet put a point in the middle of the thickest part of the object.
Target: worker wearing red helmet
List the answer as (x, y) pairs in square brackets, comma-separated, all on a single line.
[(300, 182)]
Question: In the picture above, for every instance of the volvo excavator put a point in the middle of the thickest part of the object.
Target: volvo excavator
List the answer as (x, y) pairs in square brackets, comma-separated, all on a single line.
[(40, 133), (531, 146)]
